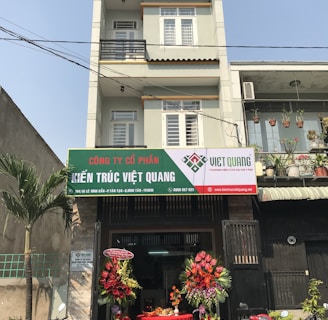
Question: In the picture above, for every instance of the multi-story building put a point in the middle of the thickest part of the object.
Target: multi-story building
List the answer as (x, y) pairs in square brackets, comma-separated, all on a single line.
[(161, 80)]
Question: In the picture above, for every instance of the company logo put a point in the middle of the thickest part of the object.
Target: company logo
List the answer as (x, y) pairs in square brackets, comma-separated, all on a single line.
[(194, 161)]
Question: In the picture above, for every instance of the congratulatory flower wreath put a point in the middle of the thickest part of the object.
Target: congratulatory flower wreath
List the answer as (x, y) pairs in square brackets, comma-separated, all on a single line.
[(205, 282), (117, 286)]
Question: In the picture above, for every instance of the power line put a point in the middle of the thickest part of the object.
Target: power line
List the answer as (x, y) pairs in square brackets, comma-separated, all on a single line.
[(177, 45)]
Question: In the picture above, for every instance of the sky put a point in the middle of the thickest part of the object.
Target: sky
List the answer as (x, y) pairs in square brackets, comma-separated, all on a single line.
[(52, 91)]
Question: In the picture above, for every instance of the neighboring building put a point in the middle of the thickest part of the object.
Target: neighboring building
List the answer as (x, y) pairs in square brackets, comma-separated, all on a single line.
[(164, 82), (290, 210), (51, 245)]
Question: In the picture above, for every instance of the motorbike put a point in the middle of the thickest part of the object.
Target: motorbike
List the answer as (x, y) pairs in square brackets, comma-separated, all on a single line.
[(260, 316)]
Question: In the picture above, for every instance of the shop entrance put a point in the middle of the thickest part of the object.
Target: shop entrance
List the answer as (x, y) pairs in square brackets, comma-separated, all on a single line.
[(158, 261)]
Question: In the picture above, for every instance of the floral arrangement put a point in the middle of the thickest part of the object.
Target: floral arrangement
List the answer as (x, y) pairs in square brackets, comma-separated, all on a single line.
[(205, 281), (116, 283), (305, 161), (175, 296)]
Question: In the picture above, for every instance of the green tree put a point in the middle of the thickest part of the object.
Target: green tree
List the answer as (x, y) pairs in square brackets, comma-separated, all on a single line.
[(28, 198)]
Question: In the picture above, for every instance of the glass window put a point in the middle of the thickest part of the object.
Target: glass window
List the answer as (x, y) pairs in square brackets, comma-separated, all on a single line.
[(269, 137), (181, 123), (123, 127), (178, 30)]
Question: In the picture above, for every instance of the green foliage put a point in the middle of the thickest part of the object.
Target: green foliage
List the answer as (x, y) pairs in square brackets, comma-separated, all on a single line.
[(312, 304), (277, 161), (276, 315), (320, 160)]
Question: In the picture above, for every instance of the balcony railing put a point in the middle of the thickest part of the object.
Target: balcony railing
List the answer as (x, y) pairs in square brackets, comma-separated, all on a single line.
[(306, 163), (123, 50)]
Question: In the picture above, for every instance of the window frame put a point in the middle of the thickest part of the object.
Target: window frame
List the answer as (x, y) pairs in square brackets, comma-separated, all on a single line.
[(178, 19), (129, 123), (182, 112)]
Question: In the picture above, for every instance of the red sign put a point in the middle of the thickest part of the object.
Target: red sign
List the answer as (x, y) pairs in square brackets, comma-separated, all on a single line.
[(120, 254)]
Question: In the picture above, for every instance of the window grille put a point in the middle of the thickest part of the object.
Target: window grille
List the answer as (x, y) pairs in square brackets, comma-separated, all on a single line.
[(169, 32), (125, 24), (172, 128), (124, 115), (191, 130), (186, 32), (43, 265)]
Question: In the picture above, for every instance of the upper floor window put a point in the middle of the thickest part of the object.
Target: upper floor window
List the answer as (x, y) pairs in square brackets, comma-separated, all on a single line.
[(178, 26), (269, 137), (182, 123), (123, 127)]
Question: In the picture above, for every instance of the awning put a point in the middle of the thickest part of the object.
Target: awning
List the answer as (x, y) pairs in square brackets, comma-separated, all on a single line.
[(292, 193)]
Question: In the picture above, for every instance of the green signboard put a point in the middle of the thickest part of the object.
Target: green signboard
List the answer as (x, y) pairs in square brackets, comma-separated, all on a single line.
[(118, 172)]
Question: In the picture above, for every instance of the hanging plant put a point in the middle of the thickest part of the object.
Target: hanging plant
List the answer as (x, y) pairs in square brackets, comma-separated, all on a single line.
[(299, 118), (285, 118), (272, 122), (256, 115)]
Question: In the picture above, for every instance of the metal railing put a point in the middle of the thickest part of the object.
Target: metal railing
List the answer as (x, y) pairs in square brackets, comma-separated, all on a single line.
[(43, 265), (122, 49)]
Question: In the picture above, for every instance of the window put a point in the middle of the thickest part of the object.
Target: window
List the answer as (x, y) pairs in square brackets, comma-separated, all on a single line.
[(181, 123), (268, 137), (123, 127), (178, 26)]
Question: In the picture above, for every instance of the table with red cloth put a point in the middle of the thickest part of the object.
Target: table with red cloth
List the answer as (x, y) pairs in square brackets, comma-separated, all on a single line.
[(186, 316)]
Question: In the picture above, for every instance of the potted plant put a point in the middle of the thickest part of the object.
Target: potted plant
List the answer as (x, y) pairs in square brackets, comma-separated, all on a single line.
[(269, 166), (272, 121), (256, 115), (299, 118), (258, 159), (312, 137), (285, 118), (289, 145), (279, 162), (319, 164)]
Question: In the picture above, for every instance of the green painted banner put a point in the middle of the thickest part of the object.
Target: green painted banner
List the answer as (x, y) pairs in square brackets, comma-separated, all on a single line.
[(114, 172)]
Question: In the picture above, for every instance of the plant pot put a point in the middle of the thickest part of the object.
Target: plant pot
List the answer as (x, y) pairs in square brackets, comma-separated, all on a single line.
[(293, 170), (321, 171), (299, 124), (272, 122), (269, 172), (256, 119), (286, 123), (258, 168), (281, 172)]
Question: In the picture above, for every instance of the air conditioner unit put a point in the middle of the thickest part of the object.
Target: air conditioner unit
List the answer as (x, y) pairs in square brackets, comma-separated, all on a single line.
[(248, 91)]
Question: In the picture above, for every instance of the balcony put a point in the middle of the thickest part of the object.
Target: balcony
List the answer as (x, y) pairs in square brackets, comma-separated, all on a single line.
[(123, 50)]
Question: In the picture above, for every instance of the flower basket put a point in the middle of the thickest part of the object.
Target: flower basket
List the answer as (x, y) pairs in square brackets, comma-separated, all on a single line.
[(117, 286), (205, 283)]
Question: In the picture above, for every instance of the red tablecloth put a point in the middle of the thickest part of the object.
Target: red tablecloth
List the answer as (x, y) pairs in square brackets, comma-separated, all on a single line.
[(187, 316)]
